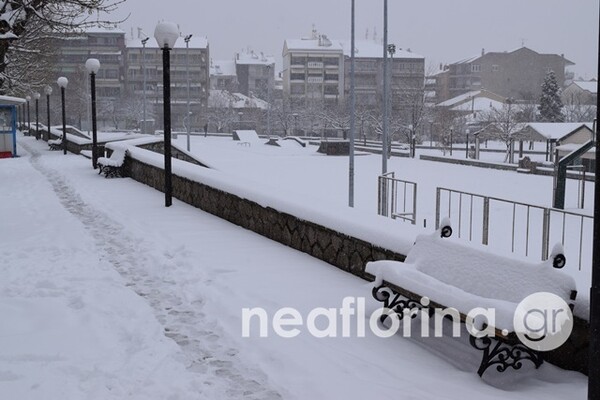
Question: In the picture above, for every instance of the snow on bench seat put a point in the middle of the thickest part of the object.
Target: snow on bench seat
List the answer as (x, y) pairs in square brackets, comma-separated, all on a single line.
[(453, 276), (55, 144), (456, 275), (111, 167)]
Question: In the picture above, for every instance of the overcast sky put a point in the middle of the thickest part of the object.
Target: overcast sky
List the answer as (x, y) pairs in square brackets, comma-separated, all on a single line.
[(441, 30)]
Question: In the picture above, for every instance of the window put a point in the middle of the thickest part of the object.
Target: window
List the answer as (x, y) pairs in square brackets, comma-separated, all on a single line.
[(495, 68), (298, 60), (475, 68), (297, 77), (297, 89)]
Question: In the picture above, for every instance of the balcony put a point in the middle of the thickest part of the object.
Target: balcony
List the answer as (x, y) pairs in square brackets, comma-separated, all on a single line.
[(315, 79), (315, 64)]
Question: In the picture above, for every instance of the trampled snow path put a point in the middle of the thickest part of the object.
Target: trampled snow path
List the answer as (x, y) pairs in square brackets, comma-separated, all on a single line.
[(223, 375)]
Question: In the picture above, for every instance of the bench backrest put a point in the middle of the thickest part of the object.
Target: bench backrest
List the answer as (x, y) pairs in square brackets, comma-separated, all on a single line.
[(486, 274)]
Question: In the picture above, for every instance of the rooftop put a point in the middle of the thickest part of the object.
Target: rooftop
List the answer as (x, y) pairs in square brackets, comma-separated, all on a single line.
[(372, 49), (196, 42), (222, 67), (250, 57)]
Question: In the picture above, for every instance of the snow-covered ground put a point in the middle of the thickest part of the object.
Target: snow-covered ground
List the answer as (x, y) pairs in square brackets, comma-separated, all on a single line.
[(106, 294), (303, 174)]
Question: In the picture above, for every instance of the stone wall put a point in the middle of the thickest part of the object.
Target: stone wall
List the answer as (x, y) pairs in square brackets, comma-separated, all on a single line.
[(345, 252)]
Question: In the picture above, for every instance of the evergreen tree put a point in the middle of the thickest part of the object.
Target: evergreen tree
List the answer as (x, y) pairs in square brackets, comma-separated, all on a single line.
[(550, 103)]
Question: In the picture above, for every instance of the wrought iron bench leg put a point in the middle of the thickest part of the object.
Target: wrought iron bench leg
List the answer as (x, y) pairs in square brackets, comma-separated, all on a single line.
[(503, 355)]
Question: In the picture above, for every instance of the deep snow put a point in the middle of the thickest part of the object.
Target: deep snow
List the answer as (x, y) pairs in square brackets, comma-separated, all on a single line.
[(107, 294)]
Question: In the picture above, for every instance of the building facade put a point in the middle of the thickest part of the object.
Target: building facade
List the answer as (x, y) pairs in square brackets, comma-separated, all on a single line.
[(313, 70), (108, 46), (406, 71), (223, 75), (518, 74), (255, 74), (186, 61)]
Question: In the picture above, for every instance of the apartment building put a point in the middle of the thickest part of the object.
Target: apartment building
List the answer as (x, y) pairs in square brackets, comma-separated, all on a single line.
[(186, 61), (108, 46), (255, 74), (223, 75), (518, 74), (313, 70), (406, 71)]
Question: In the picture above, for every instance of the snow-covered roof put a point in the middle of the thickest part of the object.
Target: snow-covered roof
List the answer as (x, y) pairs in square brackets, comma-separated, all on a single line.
[(372, 49), (459, 99), (314, 45), (467, 60), (570, 147), (101, 29), (556, 130), (590, 86), (222, 67), (478, 104), (196, 42), (245, 57), (11, 101), (220, 98)]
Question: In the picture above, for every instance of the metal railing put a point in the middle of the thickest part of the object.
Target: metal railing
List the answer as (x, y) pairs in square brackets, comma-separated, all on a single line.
[(519, 227), (397, 198)]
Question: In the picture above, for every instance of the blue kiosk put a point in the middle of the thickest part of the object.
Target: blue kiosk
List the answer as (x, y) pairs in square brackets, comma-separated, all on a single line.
[(8, 125)]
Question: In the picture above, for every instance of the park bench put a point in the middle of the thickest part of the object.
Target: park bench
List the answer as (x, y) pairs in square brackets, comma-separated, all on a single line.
[(55, 144), (112, 167), (451, 275)]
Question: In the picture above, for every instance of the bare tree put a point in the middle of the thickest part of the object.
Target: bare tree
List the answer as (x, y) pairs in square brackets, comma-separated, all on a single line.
[(503, 125), (24, 20), (577, 109)]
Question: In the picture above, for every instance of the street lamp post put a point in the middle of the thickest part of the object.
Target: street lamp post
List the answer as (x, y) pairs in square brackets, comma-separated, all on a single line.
[(144, 41), (295, 115), (352, 111), (62, 83), (385, 121), (187, 75), (92, 65), (28, 99), (269, 72), (594, 352), (48, 91), (166, 34), (36, 96), (451, 139), (467, 146)]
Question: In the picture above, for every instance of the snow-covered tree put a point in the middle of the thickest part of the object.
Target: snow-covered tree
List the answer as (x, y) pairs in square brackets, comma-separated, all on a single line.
[(22, 21), (550, 103)]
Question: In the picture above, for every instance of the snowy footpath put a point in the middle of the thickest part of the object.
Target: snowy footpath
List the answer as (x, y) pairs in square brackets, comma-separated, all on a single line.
[(107, 294)]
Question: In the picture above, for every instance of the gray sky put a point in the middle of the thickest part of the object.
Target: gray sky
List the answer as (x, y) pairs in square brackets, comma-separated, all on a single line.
[(441, 30)]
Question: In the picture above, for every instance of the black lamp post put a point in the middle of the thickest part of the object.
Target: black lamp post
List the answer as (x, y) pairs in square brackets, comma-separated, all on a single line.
[(62, 83), (166, 34), (36, 96), (594, 352), (451, 139), (92, 66), (28, 99), (467, 146), (48, 91)]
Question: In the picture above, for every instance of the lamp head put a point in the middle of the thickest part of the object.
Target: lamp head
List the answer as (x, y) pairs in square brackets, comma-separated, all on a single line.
[(28, 98), (166, 34), (92, 65), (36, 96), (62, 82), (48, 90)]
